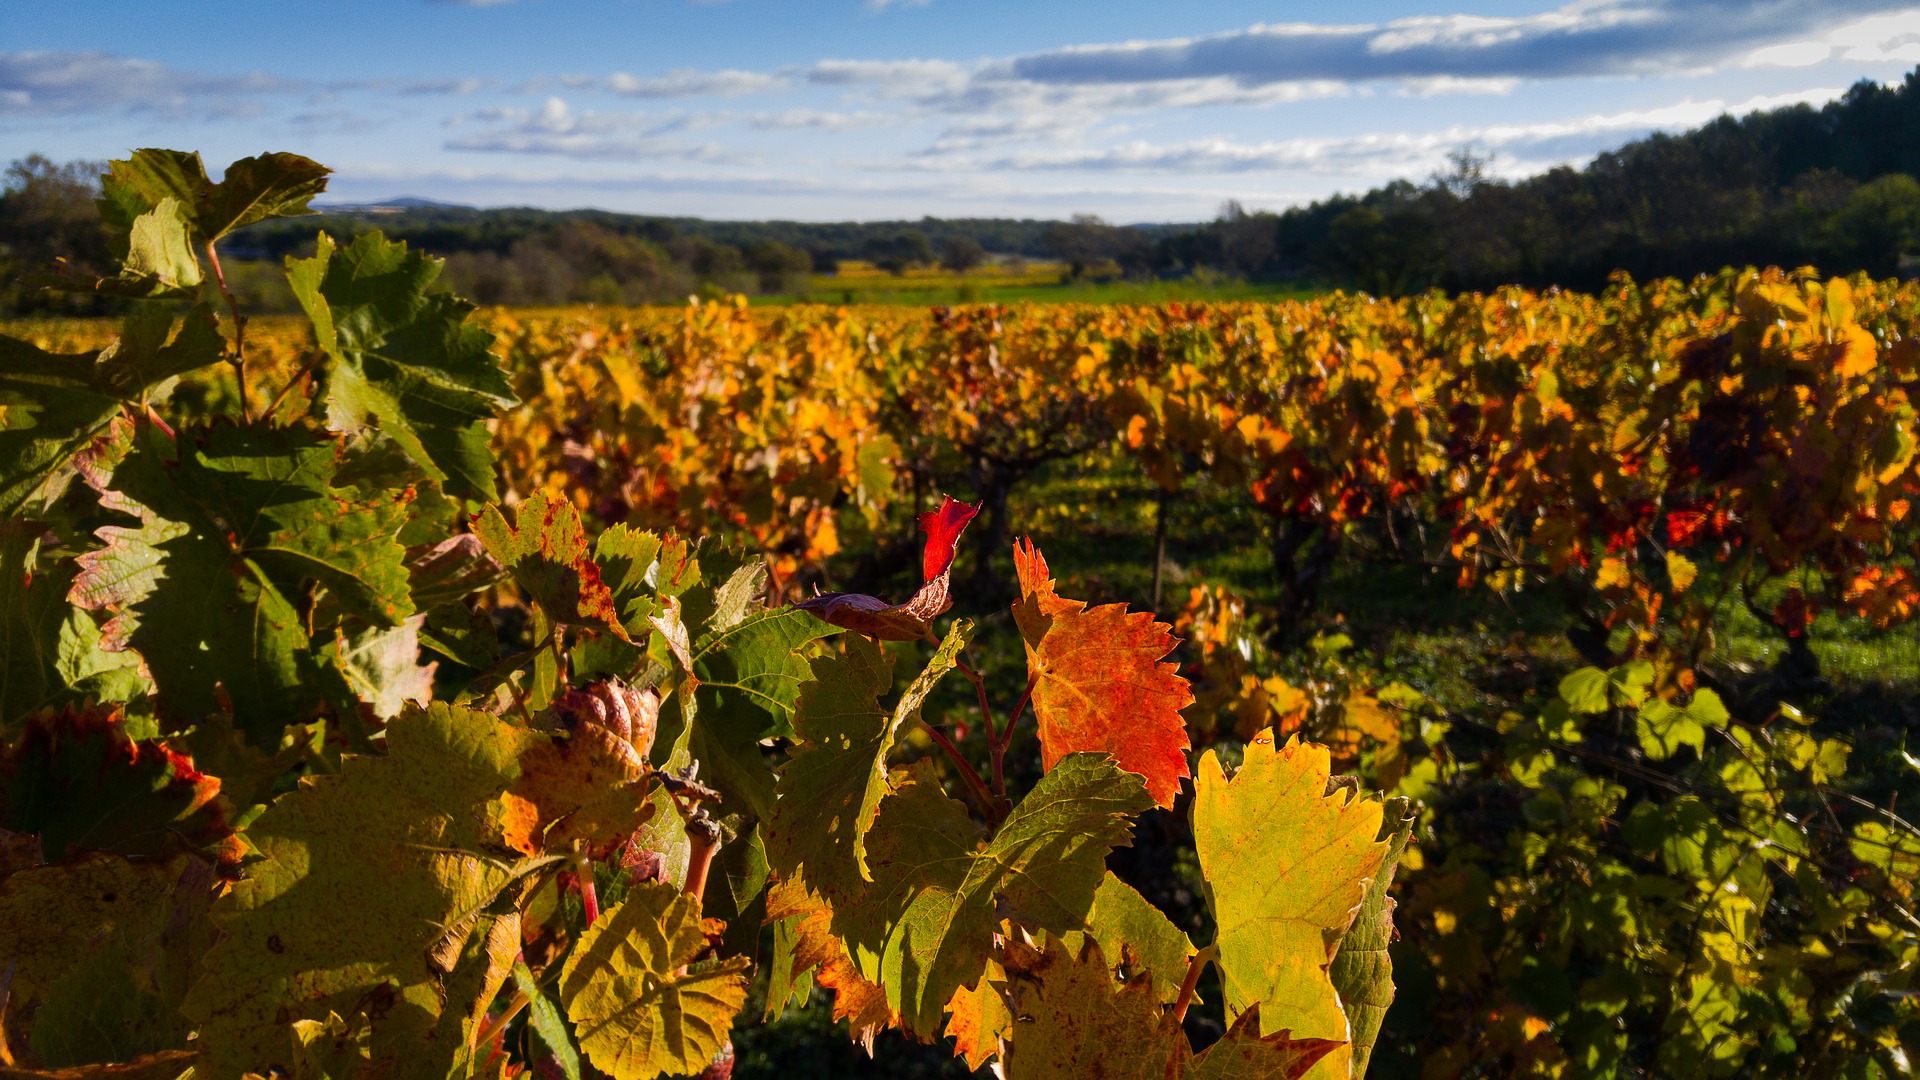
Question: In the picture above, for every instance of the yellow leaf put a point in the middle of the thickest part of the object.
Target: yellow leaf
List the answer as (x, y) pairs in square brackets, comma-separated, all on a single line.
[(1287, 866), (1681, 570), (1612, 574)]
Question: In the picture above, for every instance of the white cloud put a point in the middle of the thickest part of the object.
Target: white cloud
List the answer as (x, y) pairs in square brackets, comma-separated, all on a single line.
[(817, 120), (1879, 39), (687, 82), (69, 83), (1525, 148), (555, 129), (1585, 38)]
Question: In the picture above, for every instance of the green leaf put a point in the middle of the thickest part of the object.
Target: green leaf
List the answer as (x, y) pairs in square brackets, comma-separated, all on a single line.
[(626, 559), (1362, 971), (924, 927), (748, 679), (53, 408), (257, 188), (1287, 866), (1585, 691), (405, 361), (310, 932), (33, 608), (546, 1022), (253, 189), (637, 1006), (237, 523), (1126, 926), (1664, 729), (56, 408), (833, 782), (380, 665)]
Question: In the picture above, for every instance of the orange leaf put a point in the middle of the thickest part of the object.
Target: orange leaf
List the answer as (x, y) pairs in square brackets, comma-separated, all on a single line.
[(861, 1003), (1098, 683)]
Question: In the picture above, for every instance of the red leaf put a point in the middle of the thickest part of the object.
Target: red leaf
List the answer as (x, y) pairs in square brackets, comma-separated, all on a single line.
[(912, 620), (943, 528), (1098, 683)]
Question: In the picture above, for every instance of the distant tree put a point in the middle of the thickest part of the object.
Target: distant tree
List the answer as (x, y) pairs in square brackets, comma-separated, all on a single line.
[(780, 268), (915, 247), (1879, 223), (1248, 241), (47, 212), (961, 254)]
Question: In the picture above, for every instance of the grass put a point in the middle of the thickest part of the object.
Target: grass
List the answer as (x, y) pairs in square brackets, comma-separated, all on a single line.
[(859, 283)]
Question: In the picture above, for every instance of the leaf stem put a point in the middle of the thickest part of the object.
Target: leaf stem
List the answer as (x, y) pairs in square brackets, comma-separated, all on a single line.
[(492, 1024), (1194, 967), (239, 330), (704, 840), (976, 788), (986, 718), (583, 876)]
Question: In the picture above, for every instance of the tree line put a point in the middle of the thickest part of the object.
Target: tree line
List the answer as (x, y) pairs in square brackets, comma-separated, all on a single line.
[(1832, 187)]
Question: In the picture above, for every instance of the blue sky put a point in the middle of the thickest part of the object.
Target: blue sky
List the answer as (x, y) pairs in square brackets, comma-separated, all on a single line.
[(865, 109)]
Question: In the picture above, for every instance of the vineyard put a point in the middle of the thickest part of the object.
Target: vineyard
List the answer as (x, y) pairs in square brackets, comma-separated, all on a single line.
[(1516, 684)]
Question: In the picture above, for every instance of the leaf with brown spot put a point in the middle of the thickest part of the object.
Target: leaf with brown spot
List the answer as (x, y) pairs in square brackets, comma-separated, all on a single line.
[(1075, 1018), (1098, 685), (589, 787), (545, 550)]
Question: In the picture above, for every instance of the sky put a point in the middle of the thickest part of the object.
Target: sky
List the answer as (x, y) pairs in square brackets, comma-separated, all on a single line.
[(1135, 110)]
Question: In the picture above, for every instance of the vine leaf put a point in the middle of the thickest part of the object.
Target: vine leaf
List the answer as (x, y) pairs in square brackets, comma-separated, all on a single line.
[(637, 1008), (1127, 927), (749, 677), (815, 949), (58, 405), (119, 1002), (1287, 866), (588, 787), (252, 189), (32, 607), (1362, 971), (1122, 924), (54, 916), (943, 527), (405, 360), (1098, 684), (546, 552), (75, 779), (1079, 1020), (250, 519), (912, 620), (925, 926), (833, 782), (310, 932)]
